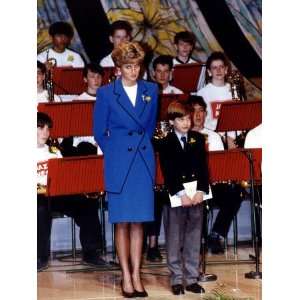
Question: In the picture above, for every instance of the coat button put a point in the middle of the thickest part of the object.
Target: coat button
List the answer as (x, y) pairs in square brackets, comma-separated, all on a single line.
[(130, 149), (140, 132), (130, 133), (144, 147)]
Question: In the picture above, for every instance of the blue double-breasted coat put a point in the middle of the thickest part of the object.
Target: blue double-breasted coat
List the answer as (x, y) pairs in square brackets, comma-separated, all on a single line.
[(124, 133)]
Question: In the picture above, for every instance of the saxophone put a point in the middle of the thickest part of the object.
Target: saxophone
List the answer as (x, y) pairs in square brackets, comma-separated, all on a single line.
[(237, 92)]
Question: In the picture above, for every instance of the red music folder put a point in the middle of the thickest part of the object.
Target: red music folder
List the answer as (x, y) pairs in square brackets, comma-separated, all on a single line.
[(70, 118), (239, 115), (68, 81), (75, 175), (234, 165), (186, 76)]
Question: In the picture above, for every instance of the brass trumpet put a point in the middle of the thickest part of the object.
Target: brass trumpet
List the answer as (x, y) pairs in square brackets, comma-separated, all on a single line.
[(237, 85), (50, 64)]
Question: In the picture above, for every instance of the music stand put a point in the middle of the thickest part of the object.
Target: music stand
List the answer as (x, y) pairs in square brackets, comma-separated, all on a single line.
[(239, 115), (238, 165), (68, 80), (186, 76), (77, 175), (70, 118)]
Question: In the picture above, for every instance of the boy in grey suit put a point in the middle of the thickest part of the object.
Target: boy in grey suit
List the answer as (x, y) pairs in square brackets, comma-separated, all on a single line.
[(183, 159)]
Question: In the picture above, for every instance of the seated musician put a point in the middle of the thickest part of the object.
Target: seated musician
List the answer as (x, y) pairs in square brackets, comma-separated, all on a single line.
[(184, 42), (225, 196), (42, 93), (162, 71), (83, 210), (93, 74), (217, 90), (120, 31), (61, 34)]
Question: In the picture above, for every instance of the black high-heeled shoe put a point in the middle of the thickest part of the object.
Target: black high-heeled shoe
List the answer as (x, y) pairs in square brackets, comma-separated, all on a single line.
[(127, 294), (141, 294)]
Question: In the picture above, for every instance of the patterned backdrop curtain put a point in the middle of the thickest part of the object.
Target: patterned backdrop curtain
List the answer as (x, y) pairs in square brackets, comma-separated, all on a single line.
[(48, 12), (247, 14), (155, 22)]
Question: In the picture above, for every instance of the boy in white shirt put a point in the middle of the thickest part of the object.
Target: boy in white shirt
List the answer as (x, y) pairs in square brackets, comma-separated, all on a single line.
[(92, 75), (120, 31), (162, 71), (184, 44), (61, 34), (217, 91)]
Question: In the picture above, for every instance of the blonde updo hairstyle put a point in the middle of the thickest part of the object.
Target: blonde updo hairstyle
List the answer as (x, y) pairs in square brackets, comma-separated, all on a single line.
[(128, 52)]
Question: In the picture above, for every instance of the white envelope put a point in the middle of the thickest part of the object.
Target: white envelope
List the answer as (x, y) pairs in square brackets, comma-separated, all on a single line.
[(190, 189)]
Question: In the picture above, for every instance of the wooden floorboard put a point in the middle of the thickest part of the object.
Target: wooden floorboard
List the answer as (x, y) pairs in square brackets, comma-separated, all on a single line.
[(68, 280)]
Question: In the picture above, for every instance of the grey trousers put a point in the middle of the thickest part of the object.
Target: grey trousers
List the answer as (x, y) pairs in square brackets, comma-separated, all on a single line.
[(183, 228)]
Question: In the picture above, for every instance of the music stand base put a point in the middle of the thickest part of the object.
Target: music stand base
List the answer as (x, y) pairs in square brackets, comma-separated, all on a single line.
[(253, 275), (207, 277)]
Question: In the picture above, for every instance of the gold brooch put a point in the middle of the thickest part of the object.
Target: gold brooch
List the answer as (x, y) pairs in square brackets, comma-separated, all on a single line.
[(70, 58), (146, 98), (192, 141)]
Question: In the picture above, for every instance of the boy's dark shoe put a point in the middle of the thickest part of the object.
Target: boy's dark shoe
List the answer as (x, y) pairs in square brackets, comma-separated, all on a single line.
[(93, 260), (42, 264), (195, 288), (215, 246), (153, 255), (177, 289)]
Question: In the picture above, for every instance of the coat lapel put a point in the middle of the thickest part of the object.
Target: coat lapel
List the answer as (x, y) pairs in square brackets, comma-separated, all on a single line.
[(141, 103), (124, 101), (176, 142)]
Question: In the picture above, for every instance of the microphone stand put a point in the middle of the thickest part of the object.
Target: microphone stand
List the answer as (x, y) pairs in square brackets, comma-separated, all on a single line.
[(253, 274)]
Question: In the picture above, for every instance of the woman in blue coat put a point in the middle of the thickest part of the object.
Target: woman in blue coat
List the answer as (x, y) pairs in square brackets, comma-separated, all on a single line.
[(124, 122)]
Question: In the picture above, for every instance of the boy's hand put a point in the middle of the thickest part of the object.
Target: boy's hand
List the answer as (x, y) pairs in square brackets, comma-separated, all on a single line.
[(231, 144), (197, 198), (186, 201)]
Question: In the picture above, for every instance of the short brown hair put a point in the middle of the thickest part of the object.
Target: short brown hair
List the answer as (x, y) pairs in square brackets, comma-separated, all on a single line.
[(178, 109), (185, 36), (128, 52)]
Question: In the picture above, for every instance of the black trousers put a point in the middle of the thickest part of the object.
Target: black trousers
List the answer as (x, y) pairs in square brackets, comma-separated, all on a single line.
[(85, 214), (227, 198)]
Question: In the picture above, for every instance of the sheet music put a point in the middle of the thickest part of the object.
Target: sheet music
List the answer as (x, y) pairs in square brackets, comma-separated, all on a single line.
[(190, 189)]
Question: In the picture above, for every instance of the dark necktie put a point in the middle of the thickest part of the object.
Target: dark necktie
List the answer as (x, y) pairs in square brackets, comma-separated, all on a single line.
[(183, 138)]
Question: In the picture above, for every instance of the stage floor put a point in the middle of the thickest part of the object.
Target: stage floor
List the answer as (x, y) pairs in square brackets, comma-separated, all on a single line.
[(68, 280)]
